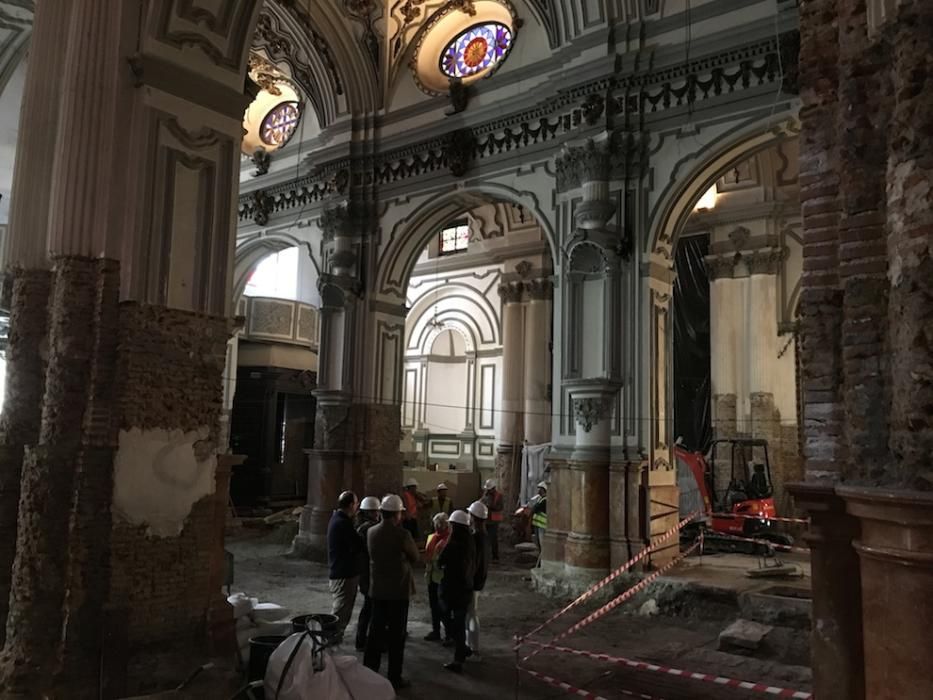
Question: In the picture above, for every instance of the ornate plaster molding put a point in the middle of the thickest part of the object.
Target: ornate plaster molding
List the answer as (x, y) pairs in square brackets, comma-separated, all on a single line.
[(589, 411), (577, 165)]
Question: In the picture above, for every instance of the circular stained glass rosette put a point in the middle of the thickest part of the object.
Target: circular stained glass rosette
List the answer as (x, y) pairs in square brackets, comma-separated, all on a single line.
[(476, 50), (280, 123)]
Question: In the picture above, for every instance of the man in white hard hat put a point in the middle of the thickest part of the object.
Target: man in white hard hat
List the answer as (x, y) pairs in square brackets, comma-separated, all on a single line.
[(480, 514), (392, 553), (368, 517), (458, 562), (412, 499), (343, 558), (492, 499), (442, 503)]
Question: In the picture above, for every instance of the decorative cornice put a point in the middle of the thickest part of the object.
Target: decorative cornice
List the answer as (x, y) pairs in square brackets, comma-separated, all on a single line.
[(555, 117), (763, 261)]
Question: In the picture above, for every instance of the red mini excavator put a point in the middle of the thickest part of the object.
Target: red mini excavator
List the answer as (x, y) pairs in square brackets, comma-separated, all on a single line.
[(745, 508)]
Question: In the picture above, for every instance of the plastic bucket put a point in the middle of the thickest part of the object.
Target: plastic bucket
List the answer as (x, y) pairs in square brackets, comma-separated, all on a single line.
[(260, 649), (327, 623)]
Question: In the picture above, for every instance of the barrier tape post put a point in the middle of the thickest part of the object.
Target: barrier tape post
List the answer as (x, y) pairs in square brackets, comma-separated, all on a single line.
[(612, 576), (773, 691)]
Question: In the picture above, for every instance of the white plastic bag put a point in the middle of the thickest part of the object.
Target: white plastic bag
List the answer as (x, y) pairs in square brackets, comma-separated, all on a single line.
[(342, 678)]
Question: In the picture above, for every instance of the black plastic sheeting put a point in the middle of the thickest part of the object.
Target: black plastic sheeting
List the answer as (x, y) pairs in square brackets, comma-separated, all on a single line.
[(691, 315)]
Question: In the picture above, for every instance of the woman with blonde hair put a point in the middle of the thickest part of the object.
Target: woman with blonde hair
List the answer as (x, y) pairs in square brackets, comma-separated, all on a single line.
[(434, 575)]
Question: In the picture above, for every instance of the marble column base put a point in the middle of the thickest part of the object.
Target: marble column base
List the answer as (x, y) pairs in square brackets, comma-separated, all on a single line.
[(311, 541), (896, 555), (558, 580), (836, 633)]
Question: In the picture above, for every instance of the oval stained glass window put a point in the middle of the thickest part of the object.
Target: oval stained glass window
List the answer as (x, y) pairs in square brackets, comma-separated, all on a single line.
[(476, 50), (279, 124)]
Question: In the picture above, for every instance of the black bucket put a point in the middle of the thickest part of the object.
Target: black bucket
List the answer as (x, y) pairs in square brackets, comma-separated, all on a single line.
[(329, 624), (260, 649)]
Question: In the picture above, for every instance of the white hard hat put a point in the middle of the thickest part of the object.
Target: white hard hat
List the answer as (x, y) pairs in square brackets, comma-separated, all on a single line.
[(490, 484), (442, 487), (411, 482), (392, 504), (461, 517), (370, 503), (542, 485), (478, 509)]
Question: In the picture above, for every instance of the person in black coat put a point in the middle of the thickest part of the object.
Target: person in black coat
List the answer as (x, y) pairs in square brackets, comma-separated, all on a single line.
[(458, 561), (343, 557), (481, 537), (368, 516)]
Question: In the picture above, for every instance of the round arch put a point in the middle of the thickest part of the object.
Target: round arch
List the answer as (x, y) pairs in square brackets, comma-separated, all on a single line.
[(410, 235), (682, 195), (250, 254), (469, 303)]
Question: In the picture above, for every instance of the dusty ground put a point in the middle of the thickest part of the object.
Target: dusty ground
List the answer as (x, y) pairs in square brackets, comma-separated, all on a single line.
[(510, 607)]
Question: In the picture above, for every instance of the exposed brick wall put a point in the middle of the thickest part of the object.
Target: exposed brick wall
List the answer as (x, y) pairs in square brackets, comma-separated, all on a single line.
[(910, 246), (820, 299), (170, 373), (861, 120)]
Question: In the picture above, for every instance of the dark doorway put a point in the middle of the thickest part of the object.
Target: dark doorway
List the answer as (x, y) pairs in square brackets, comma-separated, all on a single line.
[(692, 369)]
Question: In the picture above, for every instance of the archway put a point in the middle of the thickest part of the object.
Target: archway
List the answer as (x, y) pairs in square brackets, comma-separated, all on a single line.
[(735, 244)]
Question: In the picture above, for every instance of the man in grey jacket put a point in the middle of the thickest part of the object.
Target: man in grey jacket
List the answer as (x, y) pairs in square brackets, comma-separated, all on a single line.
[(392, 553)]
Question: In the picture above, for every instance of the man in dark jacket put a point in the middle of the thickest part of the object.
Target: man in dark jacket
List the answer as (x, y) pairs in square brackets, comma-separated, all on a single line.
[(392, 553), (458, 561), (369, 516), (480, 514), (343, 557)]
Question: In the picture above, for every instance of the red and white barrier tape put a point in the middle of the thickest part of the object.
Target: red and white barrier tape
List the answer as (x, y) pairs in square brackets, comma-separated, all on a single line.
[(566, 687), (614, 575), (752, 516), (622, 597), (782, 547), (717, 680)]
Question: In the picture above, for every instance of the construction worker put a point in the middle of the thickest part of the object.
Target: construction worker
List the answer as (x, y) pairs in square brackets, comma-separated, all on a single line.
[(343, 558), (458, 562), (442, 504), (539, 516), (433, 575), (392, 553), (492, 499), (368, 516), (413, 499), (480, 514)]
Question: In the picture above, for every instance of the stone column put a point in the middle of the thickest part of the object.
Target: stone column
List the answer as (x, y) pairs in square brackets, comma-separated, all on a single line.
[(537, 368), (587, 551), (508, 457), (896, 554), (836, 630)]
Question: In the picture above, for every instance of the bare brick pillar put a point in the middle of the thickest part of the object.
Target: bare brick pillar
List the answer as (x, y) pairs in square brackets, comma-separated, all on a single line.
[(19, 424), (48, 476), (862, 123)]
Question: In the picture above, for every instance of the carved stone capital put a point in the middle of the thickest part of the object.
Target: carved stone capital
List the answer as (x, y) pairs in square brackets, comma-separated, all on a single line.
[(577, 165), (764, 262), (720, 266), (539, 289), (589, 411), (511, 292), (335, 221)]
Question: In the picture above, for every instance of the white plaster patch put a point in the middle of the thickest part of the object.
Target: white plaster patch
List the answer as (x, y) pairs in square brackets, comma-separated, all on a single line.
[(159, 475)]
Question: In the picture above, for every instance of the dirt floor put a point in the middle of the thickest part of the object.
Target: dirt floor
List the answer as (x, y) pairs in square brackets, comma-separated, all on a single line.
[(685, 640)]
